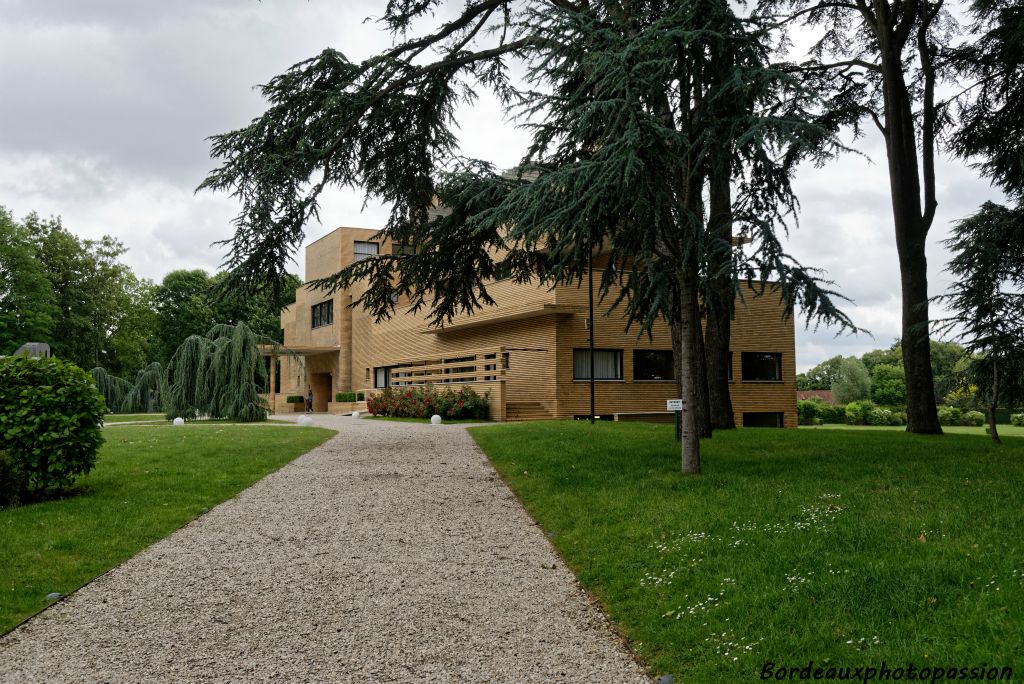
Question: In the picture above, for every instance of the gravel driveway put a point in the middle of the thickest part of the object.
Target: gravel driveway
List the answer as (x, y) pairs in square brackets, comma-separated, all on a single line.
[(391, 553)]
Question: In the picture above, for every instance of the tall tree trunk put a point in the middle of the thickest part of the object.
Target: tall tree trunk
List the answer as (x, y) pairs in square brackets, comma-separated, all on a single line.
[(689, 327), (993, 404), (719, 299), (912, 222)]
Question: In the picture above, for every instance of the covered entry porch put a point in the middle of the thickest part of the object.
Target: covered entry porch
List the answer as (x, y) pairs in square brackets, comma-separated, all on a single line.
[(299, 370)]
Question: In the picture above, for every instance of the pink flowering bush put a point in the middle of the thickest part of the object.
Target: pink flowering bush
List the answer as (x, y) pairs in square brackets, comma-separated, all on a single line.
[(423, 402)]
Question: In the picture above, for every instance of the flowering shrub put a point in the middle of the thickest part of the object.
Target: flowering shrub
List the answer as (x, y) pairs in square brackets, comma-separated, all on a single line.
[(423, 402)]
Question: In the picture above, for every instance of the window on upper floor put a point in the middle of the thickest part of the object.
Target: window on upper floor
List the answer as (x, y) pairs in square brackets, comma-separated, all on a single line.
[(761, 366), (653, 364), (323, 313), (607, 364), (361, 250)]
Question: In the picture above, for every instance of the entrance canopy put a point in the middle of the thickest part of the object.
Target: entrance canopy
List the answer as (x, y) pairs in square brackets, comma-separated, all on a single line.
[(301, 350)]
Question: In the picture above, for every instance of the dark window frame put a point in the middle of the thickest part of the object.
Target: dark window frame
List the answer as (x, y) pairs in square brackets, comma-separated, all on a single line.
[(771, 381), (619, 352), (359, 256), (671, 365), (322, 314)]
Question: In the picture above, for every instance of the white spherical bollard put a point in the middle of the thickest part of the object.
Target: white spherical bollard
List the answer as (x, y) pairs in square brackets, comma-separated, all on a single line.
[(305, 421), (356, 414), (179, 421), (435, 419)]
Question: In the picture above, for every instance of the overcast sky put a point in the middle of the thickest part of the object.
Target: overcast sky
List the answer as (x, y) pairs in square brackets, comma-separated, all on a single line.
[(107, 105)]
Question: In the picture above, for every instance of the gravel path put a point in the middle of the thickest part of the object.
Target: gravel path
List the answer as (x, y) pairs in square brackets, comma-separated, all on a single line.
[(392, 553)]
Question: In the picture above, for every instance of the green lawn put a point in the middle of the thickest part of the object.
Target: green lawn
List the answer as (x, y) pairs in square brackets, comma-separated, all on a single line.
[(132, 417), (1004, 430), (148, 481), (794, 545)]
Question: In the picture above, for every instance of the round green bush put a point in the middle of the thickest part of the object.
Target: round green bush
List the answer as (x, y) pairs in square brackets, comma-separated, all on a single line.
[(973, 418), (50, 424), (949, 415), (1017, 419)]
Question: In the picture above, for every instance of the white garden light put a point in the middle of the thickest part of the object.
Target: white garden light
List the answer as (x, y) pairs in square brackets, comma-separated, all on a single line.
[(357, 414), (179, 421), (305, 421), (435, 419)]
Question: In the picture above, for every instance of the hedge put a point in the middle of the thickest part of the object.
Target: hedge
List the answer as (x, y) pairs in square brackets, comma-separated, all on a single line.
[(348, 396)]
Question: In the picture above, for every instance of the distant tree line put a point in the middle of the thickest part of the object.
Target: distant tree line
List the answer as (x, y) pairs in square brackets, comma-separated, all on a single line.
[(80, 298)]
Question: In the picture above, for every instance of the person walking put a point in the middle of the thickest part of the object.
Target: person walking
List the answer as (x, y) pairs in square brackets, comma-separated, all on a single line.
[(309, 401)]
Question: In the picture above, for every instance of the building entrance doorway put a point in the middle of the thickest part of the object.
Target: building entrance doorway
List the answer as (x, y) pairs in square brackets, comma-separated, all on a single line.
[(321, 385)]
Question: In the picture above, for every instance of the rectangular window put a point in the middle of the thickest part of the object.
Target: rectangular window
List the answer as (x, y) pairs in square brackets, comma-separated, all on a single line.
[(761, 366), (607, 364), (361, 250), (653, 364), (762, 420), (382, 377), (323, 313), (399, 249)]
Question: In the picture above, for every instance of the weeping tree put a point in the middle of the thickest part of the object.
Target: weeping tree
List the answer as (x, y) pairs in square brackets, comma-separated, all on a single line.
[(618, 99), (113, 388), (145, 395), (148, 393), (218, 375)]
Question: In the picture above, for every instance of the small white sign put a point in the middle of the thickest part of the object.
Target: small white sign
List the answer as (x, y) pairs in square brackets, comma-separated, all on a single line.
[(674, 405)]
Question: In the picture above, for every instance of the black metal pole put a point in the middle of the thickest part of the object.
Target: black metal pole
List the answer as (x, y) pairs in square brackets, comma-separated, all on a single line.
[(590, 277)]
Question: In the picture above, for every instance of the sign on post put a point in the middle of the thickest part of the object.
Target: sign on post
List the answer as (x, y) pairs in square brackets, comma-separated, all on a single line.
[(676, 406)]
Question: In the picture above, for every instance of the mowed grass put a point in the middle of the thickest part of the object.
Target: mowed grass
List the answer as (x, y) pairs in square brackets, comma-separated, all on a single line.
[(133, 417), (1004, 430), (148, 481), (845, 548)]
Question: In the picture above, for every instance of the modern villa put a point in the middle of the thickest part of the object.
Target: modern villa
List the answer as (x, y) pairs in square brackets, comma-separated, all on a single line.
[(530, 351)]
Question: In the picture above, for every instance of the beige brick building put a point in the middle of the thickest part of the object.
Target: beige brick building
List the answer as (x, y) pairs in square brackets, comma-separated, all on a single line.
[(530, 351)]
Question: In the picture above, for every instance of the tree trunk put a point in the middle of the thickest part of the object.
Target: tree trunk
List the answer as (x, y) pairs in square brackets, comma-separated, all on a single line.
[(911, 225), (719, 300), (689, 327), (995, 402)]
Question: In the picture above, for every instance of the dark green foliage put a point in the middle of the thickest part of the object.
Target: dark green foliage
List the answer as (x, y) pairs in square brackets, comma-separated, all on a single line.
[(985, 301), (97, 298), (27, 306), (113, 388), (50, 424), (807, 411), (857, 412), (148, 393), (817, 412), (949, 415), (192, 302), (888, 385), (991, 128), (218, 376), (348, 396), (295, 399), (428, 401), (1017, 419)]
